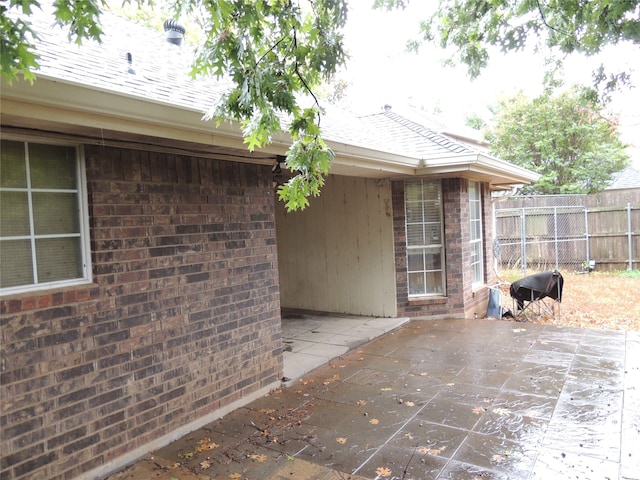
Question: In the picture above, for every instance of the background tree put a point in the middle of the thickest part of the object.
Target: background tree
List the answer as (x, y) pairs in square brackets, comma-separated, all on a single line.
[(565, 138), (474, 121)]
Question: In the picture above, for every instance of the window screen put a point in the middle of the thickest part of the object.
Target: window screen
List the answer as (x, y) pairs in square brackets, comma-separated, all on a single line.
[(41, 234), (425, 245), (475, 214)]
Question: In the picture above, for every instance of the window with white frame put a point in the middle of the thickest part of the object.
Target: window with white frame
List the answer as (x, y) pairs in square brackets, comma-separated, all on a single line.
[(43, 227), (475, 214), (425, 238)]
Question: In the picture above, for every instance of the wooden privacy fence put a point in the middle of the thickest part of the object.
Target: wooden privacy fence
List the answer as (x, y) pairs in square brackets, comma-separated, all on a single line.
[(574, 237)]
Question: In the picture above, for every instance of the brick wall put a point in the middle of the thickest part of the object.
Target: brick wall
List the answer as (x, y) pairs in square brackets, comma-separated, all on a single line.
[(460, 300), (182, 319)]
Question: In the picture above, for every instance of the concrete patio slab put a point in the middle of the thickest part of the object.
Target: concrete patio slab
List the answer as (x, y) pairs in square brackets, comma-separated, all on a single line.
[(435, 400)]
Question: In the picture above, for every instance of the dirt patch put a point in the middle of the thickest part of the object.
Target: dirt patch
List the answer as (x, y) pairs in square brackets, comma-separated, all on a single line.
[(597, 300)]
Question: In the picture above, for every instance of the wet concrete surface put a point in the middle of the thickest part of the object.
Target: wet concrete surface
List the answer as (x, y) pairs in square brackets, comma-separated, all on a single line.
[(446, 399)]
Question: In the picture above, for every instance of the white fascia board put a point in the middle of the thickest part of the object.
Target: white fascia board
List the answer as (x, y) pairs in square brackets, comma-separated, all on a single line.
[(53, 100), (353, 155), (72, 104), (68, 103), (501, 171)]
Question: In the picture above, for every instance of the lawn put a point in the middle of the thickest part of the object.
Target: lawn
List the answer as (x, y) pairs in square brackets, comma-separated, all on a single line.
[(596, 300)]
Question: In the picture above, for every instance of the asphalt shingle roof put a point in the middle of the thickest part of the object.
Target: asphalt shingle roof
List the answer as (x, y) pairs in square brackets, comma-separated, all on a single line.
[(627, 178), (160, 72)]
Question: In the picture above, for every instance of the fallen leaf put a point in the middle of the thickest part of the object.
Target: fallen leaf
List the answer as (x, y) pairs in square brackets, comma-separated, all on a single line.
[(205, 445), (235, 476), (430, 451), (204, 465), (374, 421), (361, 403), (386, 389), (186, 455), (424, 374), (341, 440), (450, 384), (258, 458), (497, 458), (410, 404), (383, 472), (478, 410), (328, 381), (175, 465), (267, 411)]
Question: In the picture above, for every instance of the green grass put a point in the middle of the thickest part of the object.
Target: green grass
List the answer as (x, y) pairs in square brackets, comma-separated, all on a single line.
[(627, 273)]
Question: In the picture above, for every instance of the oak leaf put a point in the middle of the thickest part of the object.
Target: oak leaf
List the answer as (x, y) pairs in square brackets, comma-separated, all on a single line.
[(383, 472)]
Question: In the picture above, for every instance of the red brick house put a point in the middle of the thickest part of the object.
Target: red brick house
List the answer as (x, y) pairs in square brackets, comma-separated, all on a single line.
[(145, 258)]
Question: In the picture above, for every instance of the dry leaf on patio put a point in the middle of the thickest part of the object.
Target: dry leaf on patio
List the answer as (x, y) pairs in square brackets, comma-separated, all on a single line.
[(383, 472), (361, 403), (341, 440), (235, 476), (205, 445), (374, 421), (386, 389), (205, 465), (258, 458), (497, 458), (478, 410), (431, 451), (410, 404), (328, 381)]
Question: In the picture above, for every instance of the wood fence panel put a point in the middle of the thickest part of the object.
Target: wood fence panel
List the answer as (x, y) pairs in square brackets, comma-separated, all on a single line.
[(556, 229)]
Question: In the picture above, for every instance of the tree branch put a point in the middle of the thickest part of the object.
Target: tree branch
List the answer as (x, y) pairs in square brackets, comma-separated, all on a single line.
[(544, 20)]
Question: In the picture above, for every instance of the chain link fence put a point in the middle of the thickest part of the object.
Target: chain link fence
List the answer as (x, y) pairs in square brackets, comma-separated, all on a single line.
[(570, 237), (542, 238)]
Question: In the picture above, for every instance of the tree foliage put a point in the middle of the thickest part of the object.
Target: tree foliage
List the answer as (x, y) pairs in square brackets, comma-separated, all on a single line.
[(565, 138), (560, 27)]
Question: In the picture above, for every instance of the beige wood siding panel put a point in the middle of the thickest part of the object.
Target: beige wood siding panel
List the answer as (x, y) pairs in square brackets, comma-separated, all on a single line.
[(337, 255)]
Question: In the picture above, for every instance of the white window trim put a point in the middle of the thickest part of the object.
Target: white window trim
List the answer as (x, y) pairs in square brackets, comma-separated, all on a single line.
[(83, 206), (476, 283), (442, 269)]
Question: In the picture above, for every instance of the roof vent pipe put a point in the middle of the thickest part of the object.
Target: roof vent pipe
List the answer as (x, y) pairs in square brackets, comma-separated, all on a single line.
[(175, 31)]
